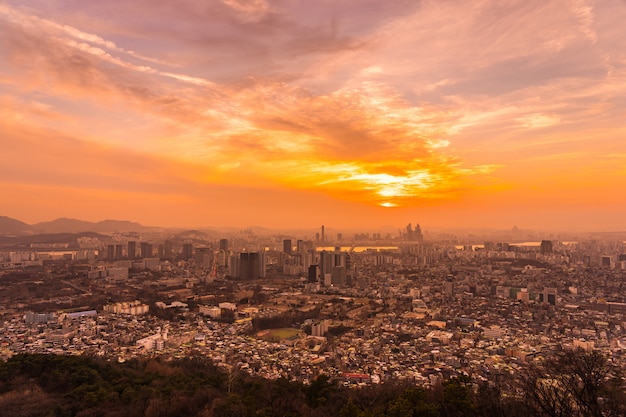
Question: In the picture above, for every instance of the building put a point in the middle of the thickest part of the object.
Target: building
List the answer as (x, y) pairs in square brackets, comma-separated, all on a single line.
[(449, 286), (546, 247), (131, 249), (146, 250), (287, 246), (168, 249), (187, 251), (110, 252), (251, 265), (548, 296), (320, 329), (224, 245)]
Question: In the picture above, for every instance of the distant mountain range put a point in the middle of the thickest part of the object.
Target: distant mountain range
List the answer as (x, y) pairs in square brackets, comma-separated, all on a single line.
[(13, 227)]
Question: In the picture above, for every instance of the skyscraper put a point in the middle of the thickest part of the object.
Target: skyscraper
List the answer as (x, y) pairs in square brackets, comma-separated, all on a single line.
[(417, 234), (322, 233), (224, 244), (287, 247)]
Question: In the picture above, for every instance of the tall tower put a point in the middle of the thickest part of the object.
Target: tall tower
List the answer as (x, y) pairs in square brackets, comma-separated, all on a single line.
[(417, 234), (287, 247), (322, 233), (449, 286)]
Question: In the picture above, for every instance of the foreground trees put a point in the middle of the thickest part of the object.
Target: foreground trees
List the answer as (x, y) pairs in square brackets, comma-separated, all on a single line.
[(569, 384), (573, 384)]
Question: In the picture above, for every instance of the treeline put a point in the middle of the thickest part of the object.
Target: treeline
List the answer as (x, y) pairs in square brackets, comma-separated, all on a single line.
[(570, 384)]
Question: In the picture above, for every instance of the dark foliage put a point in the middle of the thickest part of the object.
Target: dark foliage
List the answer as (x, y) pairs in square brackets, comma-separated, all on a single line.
[(572, 384)]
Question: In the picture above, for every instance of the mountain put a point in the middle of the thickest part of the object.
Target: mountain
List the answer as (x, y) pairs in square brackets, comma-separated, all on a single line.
[(9, 226), (64, 225), (13, 227)]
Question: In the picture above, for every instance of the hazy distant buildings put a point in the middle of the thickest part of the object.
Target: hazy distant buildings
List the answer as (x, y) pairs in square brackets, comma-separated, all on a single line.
[(168, 249), (414, 235), (187, 251)]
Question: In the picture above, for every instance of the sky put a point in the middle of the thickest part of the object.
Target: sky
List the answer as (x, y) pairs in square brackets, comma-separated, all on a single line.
[(294, 113)]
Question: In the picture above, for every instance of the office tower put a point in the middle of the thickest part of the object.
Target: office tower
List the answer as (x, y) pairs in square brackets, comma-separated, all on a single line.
[(300, 247), (409, 232), (224, 244), (322, 233), (317, 237), (131, 250), (187, 251), (339, 237), (287, 246), (145, 250)]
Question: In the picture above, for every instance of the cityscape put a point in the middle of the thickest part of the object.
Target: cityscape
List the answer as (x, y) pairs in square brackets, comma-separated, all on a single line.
[(281, 208), (365, 308)]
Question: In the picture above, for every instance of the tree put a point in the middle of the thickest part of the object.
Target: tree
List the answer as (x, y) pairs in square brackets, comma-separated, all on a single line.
[(572, 383)]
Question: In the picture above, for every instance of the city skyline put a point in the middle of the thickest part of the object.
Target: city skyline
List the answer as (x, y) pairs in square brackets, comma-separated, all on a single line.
[(287, 114)]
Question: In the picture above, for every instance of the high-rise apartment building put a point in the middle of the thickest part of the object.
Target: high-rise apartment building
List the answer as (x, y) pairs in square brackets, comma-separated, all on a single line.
[(131, 249), (146, 250), (187, 251), (251, 265), (287, 247)]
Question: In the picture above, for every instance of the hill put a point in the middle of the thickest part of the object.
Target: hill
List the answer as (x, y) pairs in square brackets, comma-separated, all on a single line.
[(9, 226)]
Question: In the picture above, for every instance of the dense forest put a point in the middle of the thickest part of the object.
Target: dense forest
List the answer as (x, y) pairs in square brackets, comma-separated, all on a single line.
[(570, 384)]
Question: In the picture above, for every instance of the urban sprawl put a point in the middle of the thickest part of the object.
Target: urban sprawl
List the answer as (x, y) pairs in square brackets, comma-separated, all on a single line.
[(363, 309)]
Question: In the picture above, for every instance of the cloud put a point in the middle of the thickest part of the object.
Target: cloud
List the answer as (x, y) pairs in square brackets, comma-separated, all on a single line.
[(384, 103)]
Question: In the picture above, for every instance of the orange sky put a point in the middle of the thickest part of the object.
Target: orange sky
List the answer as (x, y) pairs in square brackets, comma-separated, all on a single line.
[(353, 113)]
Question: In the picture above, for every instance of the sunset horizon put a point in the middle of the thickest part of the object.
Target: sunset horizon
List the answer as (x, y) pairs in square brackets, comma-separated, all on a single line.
[(285, 114)]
